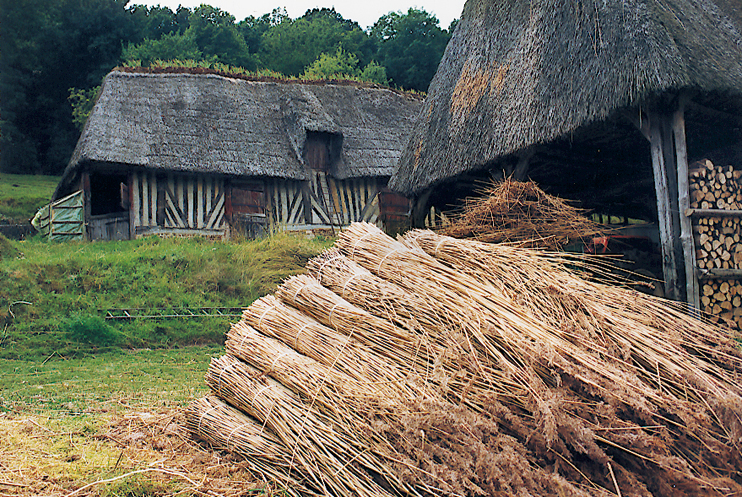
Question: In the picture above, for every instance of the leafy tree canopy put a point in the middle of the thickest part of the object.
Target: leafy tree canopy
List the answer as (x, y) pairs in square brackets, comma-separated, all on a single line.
[(410, 47), (293, 44), (216, 35), (170, 46)]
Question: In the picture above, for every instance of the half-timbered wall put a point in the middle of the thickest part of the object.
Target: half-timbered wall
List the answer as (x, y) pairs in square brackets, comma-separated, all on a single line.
[(176, 204), (323, 202)]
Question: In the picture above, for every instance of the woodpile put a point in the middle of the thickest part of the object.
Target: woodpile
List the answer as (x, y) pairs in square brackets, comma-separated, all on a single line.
[(716, 203), (429, 366)]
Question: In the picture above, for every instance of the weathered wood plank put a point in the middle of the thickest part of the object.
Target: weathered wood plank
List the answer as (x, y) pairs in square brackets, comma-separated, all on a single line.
[(135, 203), (686, 230), (190, 187), (284, 203), (216, 213), (664, 213), (719, 274), (153, 193), (696, 213), (296, 215), (180, 192), (199, 202), (145, 199)]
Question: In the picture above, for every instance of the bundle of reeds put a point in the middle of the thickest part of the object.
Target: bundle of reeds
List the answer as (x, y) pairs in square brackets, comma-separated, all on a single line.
[(434, 366), (522, 214)]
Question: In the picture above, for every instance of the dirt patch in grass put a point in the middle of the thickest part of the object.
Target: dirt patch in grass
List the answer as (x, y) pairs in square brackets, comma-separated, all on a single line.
[(132, 452), (111, 425)]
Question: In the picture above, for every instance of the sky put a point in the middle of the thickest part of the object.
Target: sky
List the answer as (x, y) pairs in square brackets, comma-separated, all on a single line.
[(364, 12)]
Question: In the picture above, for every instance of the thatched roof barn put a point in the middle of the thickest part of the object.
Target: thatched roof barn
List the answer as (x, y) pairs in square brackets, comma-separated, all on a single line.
[(586, 98), (256, 146)]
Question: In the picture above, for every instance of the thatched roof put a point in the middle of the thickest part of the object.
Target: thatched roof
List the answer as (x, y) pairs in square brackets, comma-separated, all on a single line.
[(518, 73), (210, 123)]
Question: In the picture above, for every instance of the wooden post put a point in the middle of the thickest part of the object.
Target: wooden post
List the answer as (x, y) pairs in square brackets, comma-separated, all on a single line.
[(420, 209), (521, 169), (86, 196), (664, 206), (686, 230), (135, 203)]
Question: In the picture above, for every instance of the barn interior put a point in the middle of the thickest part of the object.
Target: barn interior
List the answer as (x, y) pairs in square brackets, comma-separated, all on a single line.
[(606, 166)]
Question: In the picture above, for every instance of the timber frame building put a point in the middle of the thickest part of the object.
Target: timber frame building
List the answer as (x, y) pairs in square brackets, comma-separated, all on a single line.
[(184, 154), (603, 101)]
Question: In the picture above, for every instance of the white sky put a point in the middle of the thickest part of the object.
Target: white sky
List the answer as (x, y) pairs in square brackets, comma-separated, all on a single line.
[(364, 12)]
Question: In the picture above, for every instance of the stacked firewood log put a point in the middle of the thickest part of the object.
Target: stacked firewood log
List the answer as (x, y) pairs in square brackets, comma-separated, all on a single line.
[(714, 193)]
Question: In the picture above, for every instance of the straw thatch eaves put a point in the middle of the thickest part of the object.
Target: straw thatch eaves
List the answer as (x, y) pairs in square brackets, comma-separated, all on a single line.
[(520, 73), (208, 123)]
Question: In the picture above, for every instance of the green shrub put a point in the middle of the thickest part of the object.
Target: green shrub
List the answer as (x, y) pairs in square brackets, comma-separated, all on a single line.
[(91, 330)]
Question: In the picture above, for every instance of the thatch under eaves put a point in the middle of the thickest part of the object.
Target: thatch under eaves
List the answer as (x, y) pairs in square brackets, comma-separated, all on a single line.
[(520, 73), (206, 123)]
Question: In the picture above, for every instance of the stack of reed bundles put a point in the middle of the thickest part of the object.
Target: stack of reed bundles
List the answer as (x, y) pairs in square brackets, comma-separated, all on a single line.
[(522, 214), (428, 365)]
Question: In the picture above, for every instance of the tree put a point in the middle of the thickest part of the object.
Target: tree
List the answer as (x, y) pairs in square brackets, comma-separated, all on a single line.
[(328, 66), (170, 46), (82, 102), (374, 73), (48, 47), (154, 22), (253, 28), (216, 35), (410, 47), (291, 45)]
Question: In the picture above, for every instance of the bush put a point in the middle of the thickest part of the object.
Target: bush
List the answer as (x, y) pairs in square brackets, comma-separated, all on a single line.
[(91, 330)]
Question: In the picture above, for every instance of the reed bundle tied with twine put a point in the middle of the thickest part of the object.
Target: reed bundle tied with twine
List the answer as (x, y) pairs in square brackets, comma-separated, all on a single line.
[(428, 365), (522, 214)]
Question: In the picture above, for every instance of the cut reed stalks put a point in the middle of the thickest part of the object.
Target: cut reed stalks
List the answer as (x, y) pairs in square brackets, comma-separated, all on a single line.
[(521, 214), (438, 366), (337, 461), (226, 428)]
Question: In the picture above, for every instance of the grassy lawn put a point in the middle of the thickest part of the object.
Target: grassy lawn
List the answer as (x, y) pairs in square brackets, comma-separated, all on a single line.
[(55, 295), (114, 422), (22, 195), (90, 406)]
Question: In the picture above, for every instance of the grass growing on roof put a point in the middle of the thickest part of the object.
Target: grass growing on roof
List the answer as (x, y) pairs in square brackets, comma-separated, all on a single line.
[(56, 293)]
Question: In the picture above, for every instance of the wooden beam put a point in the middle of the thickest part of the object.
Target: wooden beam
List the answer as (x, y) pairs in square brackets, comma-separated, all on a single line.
[(200, 202), (419, 209), (713, 213), (692, 292), (664, 207), (135, 203), (521, 169), (719, 274)]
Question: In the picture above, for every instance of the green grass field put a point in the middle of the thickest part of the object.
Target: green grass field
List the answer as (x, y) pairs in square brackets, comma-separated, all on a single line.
[(111, 425), (90, 401), (22, 195), (90, 406), (55, 295)]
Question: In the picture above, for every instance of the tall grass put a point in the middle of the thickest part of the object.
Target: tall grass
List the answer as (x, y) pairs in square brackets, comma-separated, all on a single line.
[(51, 286)]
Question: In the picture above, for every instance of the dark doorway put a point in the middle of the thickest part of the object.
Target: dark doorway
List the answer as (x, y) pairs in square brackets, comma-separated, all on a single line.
[(105, 193), (320, 150)]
